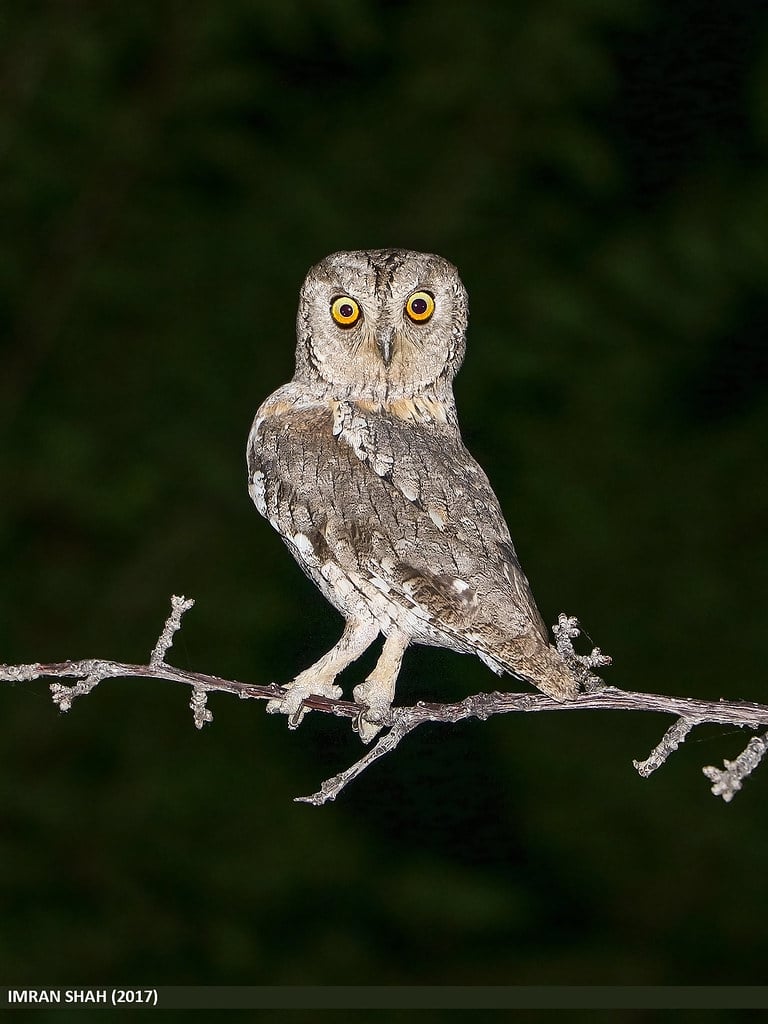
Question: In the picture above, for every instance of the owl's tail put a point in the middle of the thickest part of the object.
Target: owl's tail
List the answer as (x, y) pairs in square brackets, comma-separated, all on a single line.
[(530, 658)]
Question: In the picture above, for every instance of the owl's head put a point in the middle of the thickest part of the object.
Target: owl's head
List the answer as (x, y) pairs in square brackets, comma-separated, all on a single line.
[(381, 322)]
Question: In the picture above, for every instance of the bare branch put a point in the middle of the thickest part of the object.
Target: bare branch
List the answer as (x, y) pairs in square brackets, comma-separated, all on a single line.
[(402, 723), (687, 711)]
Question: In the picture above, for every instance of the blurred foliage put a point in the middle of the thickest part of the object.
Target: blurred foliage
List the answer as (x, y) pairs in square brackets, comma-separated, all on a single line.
[(598, 172)]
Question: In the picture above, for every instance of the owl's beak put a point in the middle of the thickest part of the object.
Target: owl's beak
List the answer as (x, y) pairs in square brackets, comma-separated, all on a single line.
[(385, 340)]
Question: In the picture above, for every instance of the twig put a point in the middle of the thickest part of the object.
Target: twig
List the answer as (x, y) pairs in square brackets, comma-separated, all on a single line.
[(688, 711), (179, 605), (403, 721), (198, 705), (670, 741), (727, 783)]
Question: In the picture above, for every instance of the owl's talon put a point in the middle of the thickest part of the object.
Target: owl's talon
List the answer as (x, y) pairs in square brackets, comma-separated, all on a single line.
[(296, 692), (375, 707), (364, 727), (294, 720)]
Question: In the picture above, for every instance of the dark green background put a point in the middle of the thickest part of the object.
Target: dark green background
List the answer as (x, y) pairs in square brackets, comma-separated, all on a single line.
[(597, 170)]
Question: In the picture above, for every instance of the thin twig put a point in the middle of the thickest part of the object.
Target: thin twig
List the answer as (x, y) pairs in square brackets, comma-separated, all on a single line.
[(726, 783), (179, 605), (670, 741), (403, 722)]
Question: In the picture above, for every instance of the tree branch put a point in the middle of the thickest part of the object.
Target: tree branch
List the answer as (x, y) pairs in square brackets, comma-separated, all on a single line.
[(688, 711)]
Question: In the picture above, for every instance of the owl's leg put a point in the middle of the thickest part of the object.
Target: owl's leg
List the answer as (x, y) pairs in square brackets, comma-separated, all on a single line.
[(318, 679), (378, 691)]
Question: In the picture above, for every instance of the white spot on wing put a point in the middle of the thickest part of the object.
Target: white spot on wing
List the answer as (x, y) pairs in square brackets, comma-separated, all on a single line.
[(303, 544), (437, 517), (407, 485), (257, 490)]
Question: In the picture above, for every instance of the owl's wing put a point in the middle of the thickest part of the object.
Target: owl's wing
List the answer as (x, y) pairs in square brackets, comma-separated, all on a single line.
[(407, 515)]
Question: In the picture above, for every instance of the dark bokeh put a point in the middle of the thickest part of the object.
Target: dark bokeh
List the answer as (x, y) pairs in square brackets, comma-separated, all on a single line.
[(598, 173)]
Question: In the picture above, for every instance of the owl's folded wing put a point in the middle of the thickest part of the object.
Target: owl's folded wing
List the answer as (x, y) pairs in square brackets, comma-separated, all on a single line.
[(402, 512)]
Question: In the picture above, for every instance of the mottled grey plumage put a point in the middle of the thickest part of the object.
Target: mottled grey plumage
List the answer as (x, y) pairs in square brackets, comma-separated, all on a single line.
[(359, 464)]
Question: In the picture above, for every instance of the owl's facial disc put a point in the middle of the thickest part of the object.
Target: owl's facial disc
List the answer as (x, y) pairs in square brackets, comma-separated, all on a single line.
[(381, 321)]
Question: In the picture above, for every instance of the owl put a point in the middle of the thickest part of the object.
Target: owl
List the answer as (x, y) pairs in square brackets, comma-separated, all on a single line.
[(359, 465)]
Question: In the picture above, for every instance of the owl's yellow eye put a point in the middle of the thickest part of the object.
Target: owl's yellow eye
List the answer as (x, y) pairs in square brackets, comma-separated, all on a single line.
[(420, 307), (345, 311)]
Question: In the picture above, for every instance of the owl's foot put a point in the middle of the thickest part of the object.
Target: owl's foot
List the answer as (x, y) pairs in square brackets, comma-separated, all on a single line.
[(375, 701), (319, 680), (292, 704), (376, 693)]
